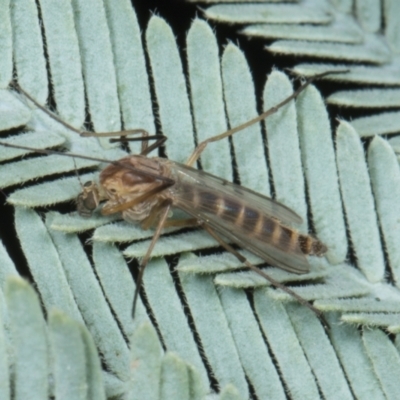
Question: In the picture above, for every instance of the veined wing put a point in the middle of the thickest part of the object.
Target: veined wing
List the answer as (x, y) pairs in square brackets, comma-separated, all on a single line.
[(264, 204), (243, 216)]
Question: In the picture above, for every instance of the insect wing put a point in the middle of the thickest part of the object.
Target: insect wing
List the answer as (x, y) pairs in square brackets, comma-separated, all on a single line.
[(293, 261), (234, 212), (264, 204)]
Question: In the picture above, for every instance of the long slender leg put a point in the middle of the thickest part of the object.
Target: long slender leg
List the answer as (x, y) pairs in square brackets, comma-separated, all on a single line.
[(143, 264), (275, 283), (122, 135), (151, 220), (182, 223), (201, 147)]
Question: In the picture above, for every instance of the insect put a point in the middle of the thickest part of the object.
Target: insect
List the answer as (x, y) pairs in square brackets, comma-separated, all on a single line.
[(145, 189)]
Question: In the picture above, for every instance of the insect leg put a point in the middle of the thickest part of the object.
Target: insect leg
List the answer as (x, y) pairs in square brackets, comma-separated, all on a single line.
[(151, 220), (182, 223), (122, 135), (200, 148), (143, 264), (146, 149), (274, 282)]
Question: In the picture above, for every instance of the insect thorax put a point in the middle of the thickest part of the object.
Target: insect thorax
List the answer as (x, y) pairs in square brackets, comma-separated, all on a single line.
[(127, 186)]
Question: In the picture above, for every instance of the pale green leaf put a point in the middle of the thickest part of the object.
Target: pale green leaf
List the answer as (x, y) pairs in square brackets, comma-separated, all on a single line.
[(7, 266), (309, 12), (13, 112), (391, 10), (94, 373), (168, 311), (62, 42), (389, 321), (249, 279), (120, 232), (87, 291), (329, 374), (118, 286), (207, 97), (377, 124), (359, 203), (254, 356), (385, 178), (373, 50), (373, 98), (48, 193), (4, 357), (169, 244), (28, 48), (174, 378), (146, 359), (68, 357), (6, 64), (385, 360), (41, 139), (368, 13), (323, 189), (212, 325), (29, 338), (280, 334), (341, 281), (97, 64), (130, 68), (170, 88), (284, 146), (45, 265), (362, 304), (74, 223), (387, 74), (229, 392), (241, 107), (96, 48), (352, 354), (342, 29)]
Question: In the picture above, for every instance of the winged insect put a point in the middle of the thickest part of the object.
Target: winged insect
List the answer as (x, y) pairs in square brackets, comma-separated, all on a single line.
[(144, 189)]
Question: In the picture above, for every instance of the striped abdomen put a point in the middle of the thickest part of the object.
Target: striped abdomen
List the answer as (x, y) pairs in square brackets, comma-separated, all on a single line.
[(252, 222)]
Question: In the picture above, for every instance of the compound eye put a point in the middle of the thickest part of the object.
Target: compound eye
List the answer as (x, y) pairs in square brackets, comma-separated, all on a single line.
[(82, 207), (88, 184), (86, 203)]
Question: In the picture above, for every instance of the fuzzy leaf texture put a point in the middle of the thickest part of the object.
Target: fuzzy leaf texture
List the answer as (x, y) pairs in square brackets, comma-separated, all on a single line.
[(211, 339)]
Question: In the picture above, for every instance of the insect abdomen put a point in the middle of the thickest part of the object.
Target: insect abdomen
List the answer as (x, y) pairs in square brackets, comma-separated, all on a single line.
[(311, 245), (257, 224)]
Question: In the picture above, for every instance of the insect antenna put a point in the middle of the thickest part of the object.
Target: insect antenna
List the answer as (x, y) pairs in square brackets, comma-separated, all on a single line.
[(76, 173)]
